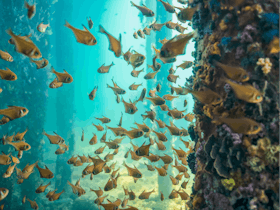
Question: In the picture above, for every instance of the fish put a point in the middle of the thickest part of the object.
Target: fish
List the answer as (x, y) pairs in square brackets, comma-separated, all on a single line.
[(104, 119), (181, 153), (171, 71), (90, 23), (99, 150), (156, 26), (115, 45), (152, 93), (72, 160), (118, 99), (56, 196), (6, 56), (93, 140), (23, 199), (59, 151), (161, 171), (187, 13), (147, 30), (145, 10), (161, 196), (120, 122), (45, 172), (19, 136), (143, 127), (82, 36), (50, 193), (135, 73), (127, 55), (42, 27), (103, 138), (98, 127), (109, 185), (180, 28), (153, 158), (180, 168), (83, 158), (161, 136), (176, 114), (142, 95), (54, 139), (136, 59), (87, 170), (235, 73), (173, 194), (126, 154), (33, 204), (160, 123), (109, 206), (179, 90), (117, 90), (150, 114), (164, 59), (166, 159), (134, 172), (105, 69), (158, 87), (143, 150), (130, 108), (124, 203), (183, 195), (168, 7), (185, 65), (14, 112), (206, 96), (4, 120), (64, 77), (160, 146), (31, 9), (1, 90), (15, 160), (119, 131), (169, 97), (173, 180), (20, 153), (141, 34), (131, 195), (8, 74), (42, 188), (55, 84), (25, 47), (92, 94), (40, 63), (150, 75), (185, 103), (189, 117), (150, 167), (9, 171), (135, 35), (134, 133), (156, 101), (98, 192), (145, 195), (242, 125), (99, 200), (175, 46), (134, 86), (20, 145), (109, 157), (172, 78), (170, 25), (184, 184), (245, 92)]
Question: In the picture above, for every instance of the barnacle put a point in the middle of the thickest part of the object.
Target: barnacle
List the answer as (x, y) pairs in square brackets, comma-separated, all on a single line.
[(266, 65), (228, 183), (271, 154), (255, 163)]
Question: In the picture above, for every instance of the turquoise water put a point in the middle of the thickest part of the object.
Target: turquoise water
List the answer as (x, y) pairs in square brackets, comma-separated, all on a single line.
[(68, 110)]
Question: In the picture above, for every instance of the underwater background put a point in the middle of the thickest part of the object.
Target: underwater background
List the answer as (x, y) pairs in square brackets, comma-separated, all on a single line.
[(246, 172)]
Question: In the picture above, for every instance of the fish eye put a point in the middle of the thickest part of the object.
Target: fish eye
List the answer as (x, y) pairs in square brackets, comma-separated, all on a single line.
[(142, 57), (94, 41), (162, 53), (256, 127), (13, 77), (245, 76), (24, 110), (36, 53), (68, 79), (179, 15), (4, 191), (258, 97), (218, 99)]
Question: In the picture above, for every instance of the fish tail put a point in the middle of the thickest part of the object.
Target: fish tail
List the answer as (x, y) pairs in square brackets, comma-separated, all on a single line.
[(52, 69), (108, 86), (49, 183), (144, 116), (10, 32), (26, 5), (172, 89), (112, 63), (44, 132), (132, 4), (101, 29), (67, 24)]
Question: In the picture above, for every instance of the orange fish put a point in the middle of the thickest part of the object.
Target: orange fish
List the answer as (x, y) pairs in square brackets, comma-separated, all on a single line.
[(157, 101), (150, 167), (40, 63), (176, 114), (130, 108), (143, 150), (105, 69), (42, 188), (184, 184), (104, 119), (31, 9), (14, 112), (160, 123), (173, 180), (169, 97), (98, 192), (45, 172), (185, 65), (82, 36), (98, 127), (134, 133), (153, 158), (55, 84), (8, 74), (173, 194), (62, 77), (135, 73), (145, 195), (20, 145), (152, 93), (180, 28), (20, 136), (92, 94), (172, 78), (160, 146), (145, 10), (143, 127), (99, 200), (183, 195), (6, 56), (142, 95), (161, 136), (56, 196), (186, 13), (161, 171), (119, 131), (54, 139), (131, 195), (33, 204), (147, 30), (9, 171), (151, 75), (166, 159), (99, 150), (206, 96), (134, 172), (161, 196), (134, 86), (170, 25), (115, 45), (189, 117)]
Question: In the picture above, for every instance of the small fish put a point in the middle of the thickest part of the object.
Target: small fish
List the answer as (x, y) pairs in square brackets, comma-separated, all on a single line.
[(161, 171), (105, 69), (124, 203), (160, 123), (161, 196), (50, 193), (88, 170), (54, 139), (82, 36), (185, 65), (172, 78), (157, 26), (103, 138), (175, 46), (131, 195), (14, 112), (23, 199), (147, 30), (246, 92), (72, 160), (98, 127), (127, 55), (118, 99), (187, 13), (59, 151), (8, 74), (176, 114), (150, 167), (166, 159), (150, 114), (135, 73), (189, 117), (6, 56), (25, 46), (153, 158), (145, 195), (134, 172), (156, 66), (98, 192), (15, 159), (115, 45), (31, 9), (20, 153), (168, 7), (42, 188), (143, 150), (142, 95), (181, 153), (185, 103), (156, 101), (130, 108), (169, 97), (180, 168), (109, 185), (136, 59), (117, 90), (99, 150), (206, 96), (1, 90), (143, 127), (170, 25), (141, 34), (119, 131), (64, 77), (19, 136), (173, 180), (120, 122), (56, 196), (112, 144), (55, 84), (158, 87), (33, 204), (134, 86), (104, 119), (161, 136), (92, 94), (90, 23), (9, 171), (99, 200), (150, 75), (183, 195), (145, 10), (240, 125), (4, 120), (171, 71), (45, 172), (184, 184), (160, 146), (152, 93), (83, 158), (126, 192), (42, 27), (134, 133), (180, 28), (40, 63), (135, 35), (126, 154), (173, 194)]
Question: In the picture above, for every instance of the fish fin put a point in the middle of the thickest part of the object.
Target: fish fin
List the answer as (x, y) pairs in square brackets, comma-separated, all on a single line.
[(120, 38), (85, 27), (132, 4), (144, 5), (67, 24), (65, 71), (102, 30)]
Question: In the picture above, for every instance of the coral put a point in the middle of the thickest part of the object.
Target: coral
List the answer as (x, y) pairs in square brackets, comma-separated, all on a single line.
[(191, 162), (217, 201), (239, 52), (223, 25), (228, 183), (225, 40), (266, 65)]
